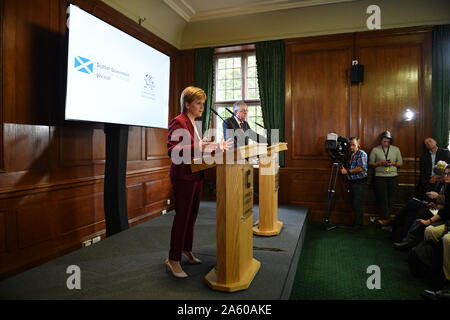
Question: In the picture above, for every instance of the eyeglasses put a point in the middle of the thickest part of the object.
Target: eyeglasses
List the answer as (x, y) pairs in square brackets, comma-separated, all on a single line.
[(243, 111)]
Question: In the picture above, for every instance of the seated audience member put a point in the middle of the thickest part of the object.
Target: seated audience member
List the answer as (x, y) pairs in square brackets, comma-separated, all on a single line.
[(443, 234), (416, 232), (430, 157), (415, 209)]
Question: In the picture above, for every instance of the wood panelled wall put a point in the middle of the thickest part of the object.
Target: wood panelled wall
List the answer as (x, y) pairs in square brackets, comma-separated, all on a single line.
[(51, 171), (320, 99)]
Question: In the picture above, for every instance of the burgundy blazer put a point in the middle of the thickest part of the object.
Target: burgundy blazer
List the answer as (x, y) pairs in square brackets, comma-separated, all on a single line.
[(181, 147)]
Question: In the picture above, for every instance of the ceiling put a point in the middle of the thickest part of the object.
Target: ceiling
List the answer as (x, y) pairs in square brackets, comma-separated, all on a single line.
[(200, 10)]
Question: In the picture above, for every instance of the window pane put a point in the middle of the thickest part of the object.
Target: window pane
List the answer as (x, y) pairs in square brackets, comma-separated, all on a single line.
[(251, 61), (229, 78), (255, 116), (252, 79), (251, 83), (220, 95)]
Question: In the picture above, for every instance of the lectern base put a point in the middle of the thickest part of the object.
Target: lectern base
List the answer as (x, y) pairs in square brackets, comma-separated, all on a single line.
[(243, 284), (276, 229)]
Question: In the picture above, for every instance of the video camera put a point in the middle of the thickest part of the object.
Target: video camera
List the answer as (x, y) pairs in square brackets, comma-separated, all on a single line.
[(337, 146)]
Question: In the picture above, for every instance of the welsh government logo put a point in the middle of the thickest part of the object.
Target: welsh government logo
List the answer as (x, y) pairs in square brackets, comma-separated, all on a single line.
[(84, 65), (149, 82)]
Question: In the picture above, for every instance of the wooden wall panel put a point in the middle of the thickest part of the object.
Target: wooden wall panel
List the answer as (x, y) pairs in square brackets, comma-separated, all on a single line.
[(33, 224), (395, 80), (2, 233), (135, 138), (25, 146), (317, 95), (135, 200), (156, 144), (78, 212)]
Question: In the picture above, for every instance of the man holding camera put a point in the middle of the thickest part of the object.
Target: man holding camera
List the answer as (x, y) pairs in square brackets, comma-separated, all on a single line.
[(356, 170)]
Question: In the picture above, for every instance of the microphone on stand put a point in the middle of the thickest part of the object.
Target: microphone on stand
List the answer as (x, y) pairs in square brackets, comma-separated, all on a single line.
[(215, 112), (259, 125)]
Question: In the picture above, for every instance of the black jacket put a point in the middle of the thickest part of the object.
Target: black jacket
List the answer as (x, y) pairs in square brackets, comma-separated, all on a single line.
[(239, 136), (425, 167), (444, 213)]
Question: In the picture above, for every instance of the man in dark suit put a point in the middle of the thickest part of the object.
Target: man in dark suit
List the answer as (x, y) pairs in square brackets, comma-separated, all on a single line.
[(238, 127), (428, 160)]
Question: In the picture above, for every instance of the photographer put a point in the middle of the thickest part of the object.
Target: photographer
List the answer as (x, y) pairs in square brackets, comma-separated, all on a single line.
[(356, 170), (386, 158)]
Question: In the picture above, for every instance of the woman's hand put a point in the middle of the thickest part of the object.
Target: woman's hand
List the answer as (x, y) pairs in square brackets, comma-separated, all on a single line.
[(225, 145), (206, 146), (432, 195), (382, 163)]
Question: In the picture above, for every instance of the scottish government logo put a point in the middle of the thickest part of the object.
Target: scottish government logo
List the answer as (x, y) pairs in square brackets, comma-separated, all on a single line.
[(84, 65)]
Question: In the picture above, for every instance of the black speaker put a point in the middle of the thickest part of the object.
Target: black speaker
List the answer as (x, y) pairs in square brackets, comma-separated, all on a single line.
[(357, 73)]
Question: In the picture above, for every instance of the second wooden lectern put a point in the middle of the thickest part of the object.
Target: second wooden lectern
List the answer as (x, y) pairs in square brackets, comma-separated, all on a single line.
[(268, 223), (235, 265)]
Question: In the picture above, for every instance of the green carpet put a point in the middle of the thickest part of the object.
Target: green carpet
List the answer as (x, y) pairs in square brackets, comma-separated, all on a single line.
[(333, 265)]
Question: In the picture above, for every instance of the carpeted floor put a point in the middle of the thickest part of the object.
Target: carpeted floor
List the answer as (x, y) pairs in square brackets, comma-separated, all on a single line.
[(333, 265), (130, 265)]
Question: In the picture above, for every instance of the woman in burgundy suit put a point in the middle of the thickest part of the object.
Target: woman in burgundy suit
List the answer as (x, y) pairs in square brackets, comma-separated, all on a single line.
[(184, 140)]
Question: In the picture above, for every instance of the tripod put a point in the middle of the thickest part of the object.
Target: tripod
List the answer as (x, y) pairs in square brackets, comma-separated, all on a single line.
[(327, 226)]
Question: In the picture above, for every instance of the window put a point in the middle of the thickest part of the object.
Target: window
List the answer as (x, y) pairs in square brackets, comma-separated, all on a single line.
[(236, 79)]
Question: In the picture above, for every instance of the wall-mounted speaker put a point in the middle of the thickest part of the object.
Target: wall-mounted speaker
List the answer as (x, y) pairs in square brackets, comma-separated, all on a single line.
[(357, 73)]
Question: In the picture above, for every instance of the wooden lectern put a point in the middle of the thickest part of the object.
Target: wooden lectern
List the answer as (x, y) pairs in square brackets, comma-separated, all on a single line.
[(268, 224), (235, 265)]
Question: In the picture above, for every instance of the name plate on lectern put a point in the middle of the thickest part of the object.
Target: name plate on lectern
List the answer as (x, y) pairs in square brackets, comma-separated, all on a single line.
[(247, 180)]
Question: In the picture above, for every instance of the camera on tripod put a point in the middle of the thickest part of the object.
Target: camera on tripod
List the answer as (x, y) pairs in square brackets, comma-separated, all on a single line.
[(337, 146)]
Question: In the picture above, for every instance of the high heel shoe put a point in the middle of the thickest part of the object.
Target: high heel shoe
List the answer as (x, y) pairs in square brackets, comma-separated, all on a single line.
[(181, 274), (191, 258)]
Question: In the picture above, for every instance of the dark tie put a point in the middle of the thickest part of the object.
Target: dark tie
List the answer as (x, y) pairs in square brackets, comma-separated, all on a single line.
[(242, 126)]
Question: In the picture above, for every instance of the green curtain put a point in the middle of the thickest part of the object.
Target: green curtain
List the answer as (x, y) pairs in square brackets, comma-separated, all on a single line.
[(204, 79), (270, 65), (441, 84)]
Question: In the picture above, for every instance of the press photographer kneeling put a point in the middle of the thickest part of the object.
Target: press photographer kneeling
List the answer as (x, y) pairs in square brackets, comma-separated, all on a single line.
[(355, 167)]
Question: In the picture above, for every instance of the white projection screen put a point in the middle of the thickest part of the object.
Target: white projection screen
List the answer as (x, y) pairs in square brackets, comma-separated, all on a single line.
[(113, 77)]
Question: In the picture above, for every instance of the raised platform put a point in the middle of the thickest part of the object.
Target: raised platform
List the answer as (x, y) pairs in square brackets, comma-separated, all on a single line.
[(130, 264)]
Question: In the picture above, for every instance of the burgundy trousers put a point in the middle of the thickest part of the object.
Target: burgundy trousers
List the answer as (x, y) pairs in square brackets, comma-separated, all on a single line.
[(187, 201)]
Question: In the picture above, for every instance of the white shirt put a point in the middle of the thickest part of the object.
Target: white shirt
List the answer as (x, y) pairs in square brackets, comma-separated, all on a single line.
[(239, 121), (196, 131), (433, 159)]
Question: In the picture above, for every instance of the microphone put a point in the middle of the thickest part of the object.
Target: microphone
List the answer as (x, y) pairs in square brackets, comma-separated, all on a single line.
[(232, 113), (215, 112), (259, 125)]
